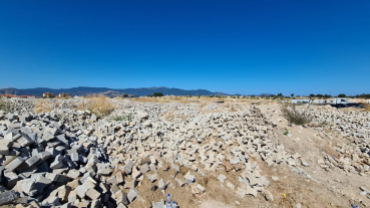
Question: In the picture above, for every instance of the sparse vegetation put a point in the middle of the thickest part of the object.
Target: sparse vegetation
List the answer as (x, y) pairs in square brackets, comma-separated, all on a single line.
[(43, 105), (156, 94), (122, 118), (286, 132), (6, 105), (294, 115), (366, 96), (366, 107), (99, 105)]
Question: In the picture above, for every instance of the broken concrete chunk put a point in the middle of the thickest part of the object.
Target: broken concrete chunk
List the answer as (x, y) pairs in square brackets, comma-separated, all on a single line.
[(135, 173), (7, 197), (14, 164), (222, 178), (251, 191), (63, 193), (144, 168), (92, 194), (152, 177), (74, 174), (81, 191), (4, 146), (230, 185), (201, 188), (268, 195), (189, 178), (304, 164), (234, 161), (162, 184), (28, 186), (132, 194), (10, 179), (58, 162), (180, 182), (32, 161)]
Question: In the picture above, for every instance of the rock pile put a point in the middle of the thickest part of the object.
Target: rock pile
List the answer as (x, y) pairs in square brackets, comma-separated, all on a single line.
[(47, 163), (74, 158), (219, 143), (353, 125), (18, 105)]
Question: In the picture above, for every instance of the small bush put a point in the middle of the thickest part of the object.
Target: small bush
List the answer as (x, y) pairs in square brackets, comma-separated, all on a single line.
[(294, 116), (158, 94)]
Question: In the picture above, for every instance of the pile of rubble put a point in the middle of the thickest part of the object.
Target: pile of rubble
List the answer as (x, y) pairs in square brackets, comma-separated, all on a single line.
[(43, 161), (25, 106), (218, 142), (18, 105), (353, 125), (74, 158)]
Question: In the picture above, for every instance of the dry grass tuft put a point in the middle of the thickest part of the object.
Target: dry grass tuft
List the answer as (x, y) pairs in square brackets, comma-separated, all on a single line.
[(6, 105), (43, 105), (366, 106), (99, 105)]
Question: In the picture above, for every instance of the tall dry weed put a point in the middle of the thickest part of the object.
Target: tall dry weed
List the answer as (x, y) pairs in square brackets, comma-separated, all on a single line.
[(366, 106), (99, 105), (6, 105), (43, 105)]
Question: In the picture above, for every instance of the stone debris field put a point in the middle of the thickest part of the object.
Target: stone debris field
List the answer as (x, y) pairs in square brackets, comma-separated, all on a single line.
[(205, 154)]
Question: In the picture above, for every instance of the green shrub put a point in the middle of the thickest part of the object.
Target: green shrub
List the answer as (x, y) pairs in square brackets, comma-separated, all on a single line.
[(156, 94), (122, 118), (286, 132)]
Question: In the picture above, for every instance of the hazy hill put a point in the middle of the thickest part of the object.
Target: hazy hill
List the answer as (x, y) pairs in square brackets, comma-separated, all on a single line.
[(82, 91)]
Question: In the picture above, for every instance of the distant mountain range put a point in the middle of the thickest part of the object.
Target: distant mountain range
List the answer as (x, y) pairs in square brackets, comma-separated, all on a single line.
[(83, 91)]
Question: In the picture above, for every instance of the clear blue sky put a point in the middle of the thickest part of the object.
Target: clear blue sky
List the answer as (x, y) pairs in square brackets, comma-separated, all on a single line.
[(248, 46)]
